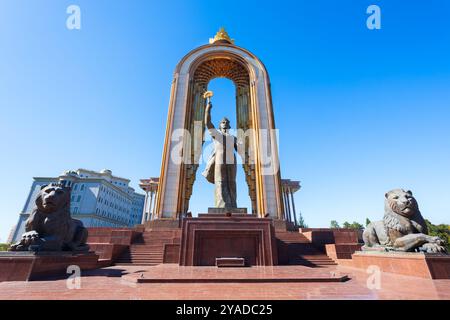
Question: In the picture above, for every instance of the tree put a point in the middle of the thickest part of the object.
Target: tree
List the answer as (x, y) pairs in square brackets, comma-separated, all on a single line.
[(301, 222), (334, 224), (355, 225), (367, 221)]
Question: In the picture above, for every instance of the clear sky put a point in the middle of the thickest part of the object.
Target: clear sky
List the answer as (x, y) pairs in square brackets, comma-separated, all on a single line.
[(359, 111)]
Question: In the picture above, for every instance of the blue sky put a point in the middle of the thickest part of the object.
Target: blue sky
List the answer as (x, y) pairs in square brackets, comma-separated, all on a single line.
[(359, 111)]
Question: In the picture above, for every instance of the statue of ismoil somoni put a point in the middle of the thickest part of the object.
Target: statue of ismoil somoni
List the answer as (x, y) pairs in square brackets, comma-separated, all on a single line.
[(221, 167)]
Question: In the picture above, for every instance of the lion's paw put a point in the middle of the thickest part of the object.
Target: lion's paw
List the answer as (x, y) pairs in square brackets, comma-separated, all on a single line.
[(433, 247), (438, 241), (29, 238)]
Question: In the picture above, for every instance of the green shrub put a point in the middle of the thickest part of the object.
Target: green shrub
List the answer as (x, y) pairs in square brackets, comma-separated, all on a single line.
[(442, 231)]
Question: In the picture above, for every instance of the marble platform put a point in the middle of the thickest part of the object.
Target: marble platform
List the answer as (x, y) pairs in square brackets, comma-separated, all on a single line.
[(28, 265)]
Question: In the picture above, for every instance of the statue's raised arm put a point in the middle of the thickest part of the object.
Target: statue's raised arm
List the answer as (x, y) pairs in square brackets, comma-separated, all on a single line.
[(212, 130), (208, 122)]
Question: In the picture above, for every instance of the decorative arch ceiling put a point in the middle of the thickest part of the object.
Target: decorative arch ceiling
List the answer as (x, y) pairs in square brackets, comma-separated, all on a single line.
[(222, 68)]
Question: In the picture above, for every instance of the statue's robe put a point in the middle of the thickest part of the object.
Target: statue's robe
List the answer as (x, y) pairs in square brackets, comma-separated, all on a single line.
[(222, 171)]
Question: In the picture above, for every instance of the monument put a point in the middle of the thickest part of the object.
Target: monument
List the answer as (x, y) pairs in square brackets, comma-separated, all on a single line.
[(254, 116), (226, 236), (52, 242), (226, 232)]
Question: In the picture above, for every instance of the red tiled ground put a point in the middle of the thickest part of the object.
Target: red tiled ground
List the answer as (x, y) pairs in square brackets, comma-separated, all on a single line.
[(108, 284), (174, 273)]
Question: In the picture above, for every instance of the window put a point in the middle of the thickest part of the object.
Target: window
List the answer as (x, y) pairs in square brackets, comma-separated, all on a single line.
[(75, 187), (78, 198), (82, 187), (75, 210)]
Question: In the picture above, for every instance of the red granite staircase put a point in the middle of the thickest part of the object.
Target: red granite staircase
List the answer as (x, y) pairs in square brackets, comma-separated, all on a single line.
[(298, 250), (148, 248)]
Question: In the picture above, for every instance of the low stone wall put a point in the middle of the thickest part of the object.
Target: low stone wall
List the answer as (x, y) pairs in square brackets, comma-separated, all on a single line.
[(323, 236), (163, 224), (112, 235), (171, 253), (110, 243), (108, 251), (338, 243), (341, 251)]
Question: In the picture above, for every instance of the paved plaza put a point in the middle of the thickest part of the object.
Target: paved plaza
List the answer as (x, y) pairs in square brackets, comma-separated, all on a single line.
[(118, 282)]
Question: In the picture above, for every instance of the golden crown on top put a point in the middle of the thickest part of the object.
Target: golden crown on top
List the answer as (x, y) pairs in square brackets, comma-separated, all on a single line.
[(221, 35)]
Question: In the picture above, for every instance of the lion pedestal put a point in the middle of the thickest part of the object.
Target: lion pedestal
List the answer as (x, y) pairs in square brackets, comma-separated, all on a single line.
[(414, 264), (50, 226), (400, 242), (28, 265), (53, 240), (402, 229)]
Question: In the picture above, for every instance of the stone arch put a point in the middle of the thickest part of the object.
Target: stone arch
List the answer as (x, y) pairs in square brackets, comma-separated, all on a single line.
[(254, 111)]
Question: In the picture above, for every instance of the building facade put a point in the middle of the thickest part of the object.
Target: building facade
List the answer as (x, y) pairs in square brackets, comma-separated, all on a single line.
[(98, 199)]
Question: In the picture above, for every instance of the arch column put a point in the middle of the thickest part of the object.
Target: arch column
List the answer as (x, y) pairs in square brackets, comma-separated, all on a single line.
[(150, 186), (289, 187), (149, 213), (293, 207), (152, 205), (144, 212)]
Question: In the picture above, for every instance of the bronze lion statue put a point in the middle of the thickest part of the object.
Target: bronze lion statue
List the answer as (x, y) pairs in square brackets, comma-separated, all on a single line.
[(402, 228), (50, 226)]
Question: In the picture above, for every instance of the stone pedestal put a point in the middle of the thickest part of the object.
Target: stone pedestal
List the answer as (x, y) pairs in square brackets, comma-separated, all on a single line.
[(227, 210), (423, 265), (206, 238), (24, 266)]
